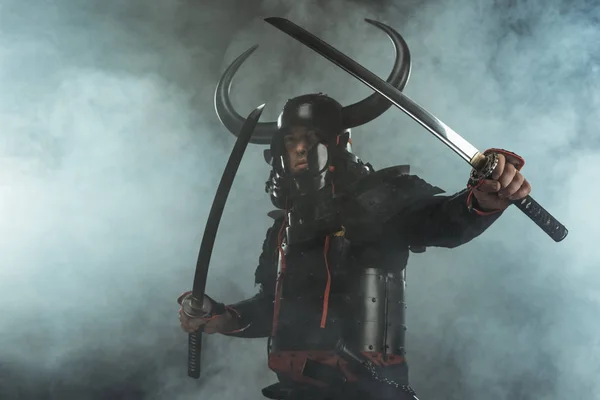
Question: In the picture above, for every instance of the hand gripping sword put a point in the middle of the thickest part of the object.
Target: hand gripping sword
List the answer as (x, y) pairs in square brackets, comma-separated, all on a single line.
[(481, 164), (194, 304)]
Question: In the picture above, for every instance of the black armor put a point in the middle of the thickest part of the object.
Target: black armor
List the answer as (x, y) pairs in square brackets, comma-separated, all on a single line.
[(332, 269), (378, 220)]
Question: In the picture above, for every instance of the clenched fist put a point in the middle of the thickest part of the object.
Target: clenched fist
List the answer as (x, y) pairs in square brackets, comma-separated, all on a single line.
[(506, 184), (220, 323)]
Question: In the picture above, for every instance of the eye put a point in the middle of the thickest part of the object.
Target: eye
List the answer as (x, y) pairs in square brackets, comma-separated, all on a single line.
[(289, 142), (311, 138)]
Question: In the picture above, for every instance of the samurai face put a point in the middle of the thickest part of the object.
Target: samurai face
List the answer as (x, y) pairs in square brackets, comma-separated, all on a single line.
[(305, 153), (303, 158), (298, 142), (307, 126)]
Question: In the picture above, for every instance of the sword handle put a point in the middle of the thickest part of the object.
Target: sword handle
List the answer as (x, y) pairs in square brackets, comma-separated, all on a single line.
[(191, 306), (194, 354), (483, 167), (542, 218)]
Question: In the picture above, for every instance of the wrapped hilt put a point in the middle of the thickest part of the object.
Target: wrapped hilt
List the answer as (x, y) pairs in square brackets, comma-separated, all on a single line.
[(205, 309), (194, 354), (542, 218), (195, 309)]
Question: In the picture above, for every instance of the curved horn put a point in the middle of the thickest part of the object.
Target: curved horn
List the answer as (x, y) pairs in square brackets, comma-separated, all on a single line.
[(226, 112), (373, 106)]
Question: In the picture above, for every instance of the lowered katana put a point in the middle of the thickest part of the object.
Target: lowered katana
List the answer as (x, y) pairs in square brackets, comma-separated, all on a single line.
[(198, 305)]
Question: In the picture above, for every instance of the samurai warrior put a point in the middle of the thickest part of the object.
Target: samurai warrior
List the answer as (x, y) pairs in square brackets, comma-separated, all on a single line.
[(332, 268)]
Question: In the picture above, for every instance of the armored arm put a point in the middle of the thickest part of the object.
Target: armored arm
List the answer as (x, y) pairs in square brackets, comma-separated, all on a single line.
[(426, 219), (254, 317)]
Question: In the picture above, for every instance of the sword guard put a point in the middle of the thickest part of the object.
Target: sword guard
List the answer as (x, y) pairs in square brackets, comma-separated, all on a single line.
[(485, 170), (489, 163), (511, 158), (205, 309)]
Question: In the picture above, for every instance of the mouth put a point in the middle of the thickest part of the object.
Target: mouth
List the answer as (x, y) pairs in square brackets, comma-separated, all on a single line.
[(301, 165)]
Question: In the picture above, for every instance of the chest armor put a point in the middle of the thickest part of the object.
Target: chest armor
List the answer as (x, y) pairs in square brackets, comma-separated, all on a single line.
[(325, 296), (343, 279)]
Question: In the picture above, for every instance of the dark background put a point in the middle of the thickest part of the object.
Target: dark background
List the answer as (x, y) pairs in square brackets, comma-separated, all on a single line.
[(110, 153)]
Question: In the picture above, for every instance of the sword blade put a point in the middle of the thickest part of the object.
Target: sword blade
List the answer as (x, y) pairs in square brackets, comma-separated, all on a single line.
[(210, 233), (464, 149), (216, 211), (427, 120)]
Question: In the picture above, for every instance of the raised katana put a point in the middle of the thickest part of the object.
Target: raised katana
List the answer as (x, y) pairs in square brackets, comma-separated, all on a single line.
[(195, 305), (480, 163)]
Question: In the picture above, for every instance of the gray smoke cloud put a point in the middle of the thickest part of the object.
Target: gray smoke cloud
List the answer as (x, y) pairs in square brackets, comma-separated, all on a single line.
[(110, 154)]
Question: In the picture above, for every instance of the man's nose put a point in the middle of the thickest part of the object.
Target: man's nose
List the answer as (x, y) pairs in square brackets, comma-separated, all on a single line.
[(301, 147)]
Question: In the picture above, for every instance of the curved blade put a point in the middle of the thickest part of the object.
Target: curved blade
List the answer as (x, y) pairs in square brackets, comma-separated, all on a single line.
[(442, 131), (210, 232), (550, 225)]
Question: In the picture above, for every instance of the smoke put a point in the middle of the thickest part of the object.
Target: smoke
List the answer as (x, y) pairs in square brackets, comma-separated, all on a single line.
[(110, 154)]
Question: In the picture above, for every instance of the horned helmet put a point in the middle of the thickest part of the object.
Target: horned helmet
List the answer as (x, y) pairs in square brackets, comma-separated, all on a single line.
[(331, 157)]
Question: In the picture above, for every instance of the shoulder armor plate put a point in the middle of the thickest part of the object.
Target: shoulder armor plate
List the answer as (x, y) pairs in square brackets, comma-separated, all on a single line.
[(384, 193), (276, 214)]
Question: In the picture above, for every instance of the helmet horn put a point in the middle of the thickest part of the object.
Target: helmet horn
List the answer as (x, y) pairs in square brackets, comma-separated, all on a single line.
[(373, 106), (353, 115), (226, 112)]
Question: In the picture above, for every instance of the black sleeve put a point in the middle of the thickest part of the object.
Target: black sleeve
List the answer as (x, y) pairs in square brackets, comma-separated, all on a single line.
[(438, 221), (255, 315)]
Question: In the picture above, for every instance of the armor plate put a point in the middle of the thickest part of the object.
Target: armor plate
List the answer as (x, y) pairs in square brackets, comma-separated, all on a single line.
[(378, 323)]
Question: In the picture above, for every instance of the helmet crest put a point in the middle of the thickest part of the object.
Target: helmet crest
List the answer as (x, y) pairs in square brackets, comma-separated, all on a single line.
[(351, 116)]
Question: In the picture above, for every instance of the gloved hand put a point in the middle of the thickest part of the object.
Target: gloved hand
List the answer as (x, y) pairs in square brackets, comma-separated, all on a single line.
[(214, 318)]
